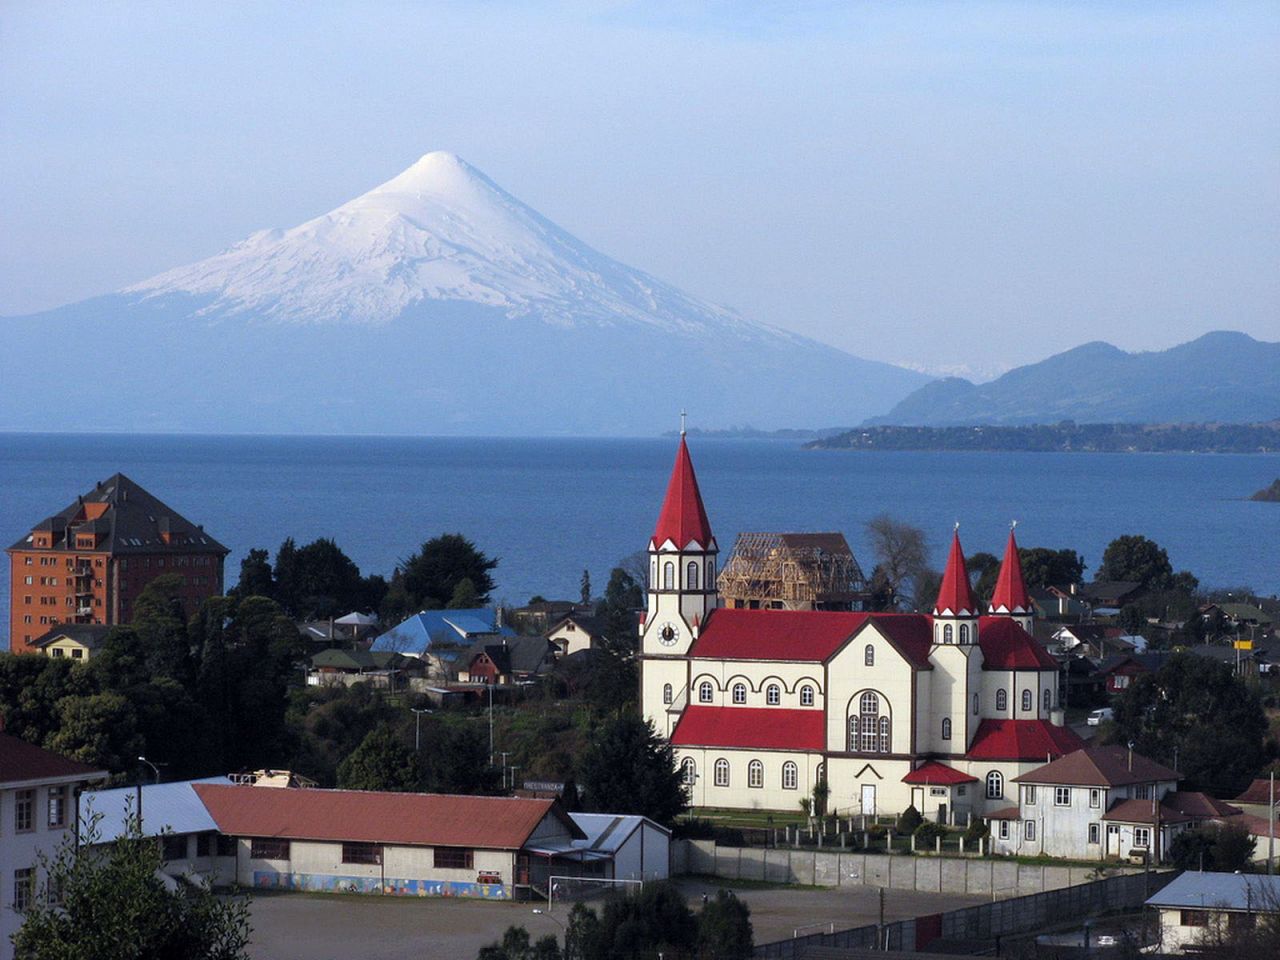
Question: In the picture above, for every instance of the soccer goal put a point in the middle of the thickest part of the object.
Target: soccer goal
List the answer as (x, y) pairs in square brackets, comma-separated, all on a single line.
[(572, 889)]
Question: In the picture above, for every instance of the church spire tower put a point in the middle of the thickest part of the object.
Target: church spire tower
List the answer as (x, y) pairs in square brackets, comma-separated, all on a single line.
[(955, 614), (1010, 598), (682, 562)]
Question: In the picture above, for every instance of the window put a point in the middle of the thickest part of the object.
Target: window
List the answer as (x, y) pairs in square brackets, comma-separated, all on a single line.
[(1062, 796), (1120, 683), (869, 655), (688, 772), (173, 847), (711, 573), (204, 844), (367, 853), (739, 693), (1004, 829), (58, 653), (1142, 836), (961, 790), (773, 695), (454, 858), (1048, 700), (1031, 795), (1193, 918), (24, 811), (937, 791), (946, 728), (806, 696), (268, 848), (868, 729), (722, 772), (691, 574), (975, 704), (995, 785), (1094, 832), (57, 807), (1029, 830), (790, 776), (755, 774), (947, 635), (77, 654), (666, 693), (964, 633), (704, 691), (224, 846), (1142, 791), (668, 575), (1002, 701), (1095, 798), (24, 887), (1026, 701)]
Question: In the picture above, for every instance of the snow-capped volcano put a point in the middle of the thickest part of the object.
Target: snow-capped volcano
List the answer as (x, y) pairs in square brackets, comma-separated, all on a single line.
[(441, 230), (434, 303)]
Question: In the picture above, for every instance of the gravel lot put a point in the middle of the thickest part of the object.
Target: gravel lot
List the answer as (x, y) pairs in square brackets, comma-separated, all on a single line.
[(320, 927)]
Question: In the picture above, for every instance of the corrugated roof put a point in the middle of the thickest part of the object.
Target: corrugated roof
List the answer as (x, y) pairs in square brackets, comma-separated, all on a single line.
[(939, 774), (416, 819), (1021, 740), (174, 807), (805, 635), (1144, 811), (608, 831), (1229, 891), (764, 728), (418, 633), (22, 762), (1006, 646), (1101, 767)]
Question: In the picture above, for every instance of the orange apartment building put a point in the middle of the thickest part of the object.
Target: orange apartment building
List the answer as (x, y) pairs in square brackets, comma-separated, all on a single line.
[(89, 562)]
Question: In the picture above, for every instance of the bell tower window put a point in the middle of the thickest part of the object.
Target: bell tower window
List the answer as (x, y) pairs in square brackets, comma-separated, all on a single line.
[(691, 575), (668, 576)]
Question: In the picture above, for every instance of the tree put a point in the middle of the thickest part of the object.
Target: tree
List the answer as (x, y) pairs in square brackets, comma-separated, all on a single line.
[(465, 596), (1042, 567), (901, 554), (100, 730), (256, 577), (1136, 559), (1220, 848), (455, 759), (617, 610), (1131, 618), (984, 568), (515, 945), (318, 580), (1199, 710), (629, 769), (432, 574), (584, 586), (381, 762), (724, 928), (160, 623), (113, 905)]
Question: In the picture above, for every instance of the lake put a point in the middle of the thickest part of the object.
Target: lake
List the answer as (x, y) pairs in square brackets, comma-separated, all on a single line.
[(551, 507)]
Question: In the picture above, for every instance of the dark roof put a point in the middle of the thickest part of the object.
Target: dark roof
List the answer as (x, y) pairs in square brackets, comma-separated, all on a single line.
[(514, 654), (134, 521), (1108, 591), (89, 635), (340, 659), (21, 762), (1100, 767), (1223, 653), (1143, 811), (1151, 661), (592, 625), (1259, 791)]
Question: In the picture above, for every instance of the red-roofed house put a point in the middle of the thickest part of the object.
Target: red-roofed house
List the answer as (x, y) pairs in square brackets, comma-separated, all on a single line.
[(760, 704)]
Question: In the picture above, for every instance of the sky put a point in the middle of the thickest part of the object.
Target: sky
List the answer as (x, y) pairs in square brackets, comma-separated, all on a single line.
[(959, 187)]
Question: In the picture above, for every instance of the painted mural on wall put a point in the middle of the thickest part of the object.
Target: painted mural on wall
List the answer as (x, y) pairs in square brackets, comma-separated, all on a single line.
[(390, 886)]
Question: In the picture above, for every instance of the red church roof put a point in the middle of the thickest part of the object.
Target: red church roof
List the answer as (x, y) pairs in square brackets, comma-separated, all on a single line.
[(938, 774), (1010, 595), (760, 728), (683, 519), (1021, 740), (807, 635), (955, 598), (1006, 646)]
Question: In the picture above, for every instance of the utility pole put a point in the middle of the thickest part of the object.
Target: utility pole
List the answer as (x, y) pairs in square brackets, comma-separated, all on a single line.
[(1271, 827), (417, 727), (490, 688)]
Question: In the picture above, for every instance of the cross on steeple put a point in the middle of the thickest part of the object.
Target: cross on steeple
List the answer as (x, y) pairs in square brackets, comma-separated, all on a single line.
[(682, 416)]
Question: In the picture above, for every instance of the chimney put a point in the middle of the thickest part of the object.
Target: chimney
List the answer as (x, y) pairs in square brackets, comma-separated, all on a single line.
[(1074, 587), (1058, 717)]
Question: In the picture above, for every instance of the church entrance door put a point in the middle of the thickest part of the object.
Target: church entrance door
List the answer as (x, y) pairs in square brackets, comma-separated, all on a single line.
[(869, 799)]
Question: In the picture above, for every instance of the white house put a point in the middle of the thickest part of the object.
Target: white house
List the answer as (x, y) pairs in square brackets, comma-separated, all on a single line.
[(37, 813), (614, 847), (1210, 909), (761, 704)]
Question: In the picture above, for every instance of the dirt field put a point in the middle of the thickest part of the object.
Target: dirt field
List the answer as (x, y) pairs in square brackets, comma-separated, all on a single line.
[(318, 927)]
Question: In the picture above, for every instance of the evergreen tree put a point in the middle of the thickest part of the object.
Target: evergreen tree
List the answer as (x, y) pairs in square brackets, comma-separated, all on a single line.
[(256, 577), (630, 769), (617, 609), (381, 762), (584, 586), (724, 929), (433, 573)]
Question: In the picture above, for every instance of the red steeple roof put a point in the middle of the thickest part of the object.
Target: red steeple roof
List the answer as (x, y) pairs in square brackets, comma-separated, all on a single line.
[(1010, 595), (683, 519), (956, 596)]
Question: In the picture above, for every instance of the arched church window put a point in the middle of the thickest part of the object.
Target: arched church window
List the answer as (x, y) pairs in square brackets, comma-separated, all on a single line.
[(691, 573), (964, 633), (739, 693), (1026, 701), (1048, 699), (666, 693), (806, 696), (688, 772), (1002, 701), (871, 727), (653, 572), (853, 733), (946, 728), (755, 774), (668, 576), (975, 704), (722, 772), (705, 692), (947, 635), (869, 655), (790, 776), (711, 573), (773, 695), (995, 785), (884, 734)]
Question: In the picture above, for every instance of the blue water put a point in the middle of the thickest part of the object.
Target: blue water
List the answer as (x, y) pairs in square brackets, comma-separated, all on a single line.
[(551, 507)]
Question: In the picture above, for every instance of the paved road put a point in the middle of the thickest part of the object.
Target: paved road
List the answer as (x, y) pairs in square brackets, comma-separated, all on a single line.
[(319, 927)]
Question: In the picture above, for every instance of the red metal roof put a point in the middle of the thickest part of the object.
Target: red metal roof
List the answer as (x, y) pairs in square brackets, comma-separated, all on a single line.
[(1006, 646), (955, 597), (1021, 740), (762, 728), (938, 774), (358, 816), (1010, 595), (21, 762), (683, 519), (807, 635)]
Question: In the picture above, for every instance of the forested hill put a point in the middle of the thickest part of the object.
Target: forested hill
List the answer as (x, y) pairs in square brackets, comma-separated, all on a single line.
[(1066, 436)]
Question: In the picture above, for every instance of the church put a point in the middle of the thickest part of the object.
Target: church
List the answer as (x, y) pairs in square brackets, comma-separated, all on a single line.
[(938, 711)]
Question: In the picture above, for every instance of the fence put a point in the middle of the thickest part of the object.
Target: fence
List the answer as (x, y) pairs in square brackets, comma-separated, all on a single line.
[(985, 922)]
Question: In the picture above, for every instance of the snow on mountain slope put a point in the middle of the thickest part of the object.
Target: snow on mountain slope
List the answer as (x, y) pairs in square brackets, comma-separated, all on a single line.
[(441, 230)]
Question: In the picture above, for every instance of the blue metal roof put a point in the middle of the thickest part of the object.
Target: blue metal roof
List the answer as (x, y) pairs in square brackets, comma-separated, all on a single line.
[(1223, 891), (416, 634), (172, 807)]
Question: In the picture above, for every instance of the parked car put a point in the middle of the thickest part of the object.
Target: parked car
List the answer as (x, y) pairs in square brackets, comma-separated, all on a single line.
[(1097, 716)]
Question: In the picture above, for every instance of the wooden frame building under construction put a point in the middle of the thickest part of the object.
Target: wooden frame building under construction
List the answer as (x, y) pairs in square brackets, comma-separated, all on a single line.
[(793, 571)]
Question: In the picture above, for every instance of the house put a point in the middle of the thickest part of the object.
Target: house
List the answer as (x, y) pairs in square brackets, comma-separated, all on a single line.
[(1240, 660), (1200, 910), (614, 847), (509, 660), (1100, 803), (1106, 597), (578, 631), (538, 616), (37, 815), (792, 571), (1058, 603), (400, 844), (379, 667), (72, 641), (440, 637), (1118, 671), (761, 704), (190, 842), (1258, 798), (89, 562), (1096, 641)]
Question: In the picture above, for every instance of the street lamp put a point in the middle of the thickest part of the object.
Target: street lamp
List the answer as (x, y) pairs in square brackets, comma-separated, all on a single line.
[(417, 727), (154, 768)]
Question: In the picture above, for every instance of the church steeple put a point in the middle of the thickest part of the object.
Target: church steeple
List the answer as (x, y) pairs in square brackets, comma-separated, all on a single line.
[(683, 519), (1010, 597), (955, 614)]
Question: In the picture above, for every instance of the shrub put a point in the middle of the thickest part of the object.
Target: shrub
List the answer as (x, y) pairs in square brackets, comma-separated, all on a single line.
[(977, 830), (927, 833), (909, 820)]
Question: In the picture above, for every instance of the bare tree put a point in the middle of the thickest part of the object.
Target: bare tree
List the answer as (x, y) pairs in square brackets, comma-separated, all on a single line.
[(902, 556)]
